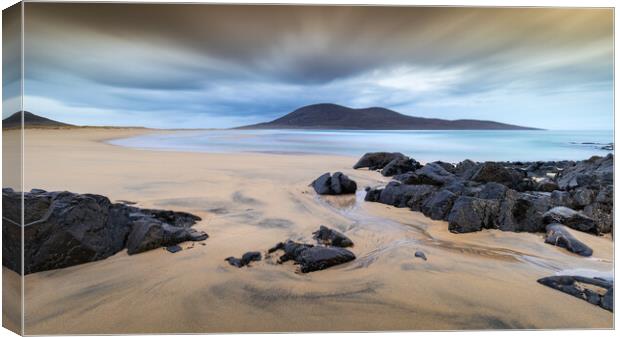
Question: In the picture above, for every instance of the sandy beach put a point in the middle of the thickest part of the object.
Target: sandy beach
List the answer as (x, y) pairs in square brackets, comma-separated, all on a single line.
[(251, 201)]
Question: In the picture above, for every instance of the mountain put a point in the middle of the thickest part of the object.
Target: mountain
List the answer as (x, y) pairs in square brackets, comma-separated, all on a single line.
[(333, 116), (31, 120)]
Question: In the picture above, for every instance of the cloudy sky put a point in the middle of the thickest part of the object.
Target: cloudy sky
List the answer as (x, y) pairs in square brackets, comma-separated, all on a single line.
[(229, 65)]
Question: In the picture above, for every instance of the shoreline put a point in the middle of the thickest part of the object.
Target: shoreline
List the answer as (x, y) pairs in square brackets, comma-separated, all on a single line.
[(425, 146), (251, 201)]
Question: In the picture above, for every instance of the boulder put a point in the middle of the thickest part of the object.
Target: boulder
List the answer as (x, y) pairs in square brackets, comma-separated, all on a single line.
[(582, 197), (399, 166), (446, 166), (63, 229), (596, 291), (401, 195), (498, 173), (149, 233), (523, 211), (429, 174), (558, 235), (607, 302), (546, 185), (596, 172), (466, 169), (334, 184), (603, 216), (561, 198), (377, 160), (331, 237), (312, 258), (245, 260), (373, 194), (471, 214), (439, 204), (571, 218), (492, 190)]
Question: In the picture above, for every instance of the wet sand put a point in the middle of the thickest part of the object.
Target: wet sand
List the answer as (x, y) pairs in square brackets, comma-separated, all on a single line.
[(252, 201)]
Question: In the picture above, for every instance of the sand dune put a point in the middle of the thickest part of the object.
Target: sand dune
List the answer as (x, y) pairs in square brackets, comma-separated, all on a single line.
[(250, 202)]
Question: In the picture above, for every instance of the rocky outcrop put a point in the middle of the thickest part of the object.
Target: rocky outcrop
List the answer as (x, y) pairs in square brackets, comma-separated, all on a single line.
[(63, 229), (509, 196), (439, 204), (245, 260), (402, 195), (498, 173), (471, 214), (312, 258), (558, 235), (595, 291), (331, 237), (377, 160), (400, 165), (430, 174), (594, 173), (334, 184), (571, 218)]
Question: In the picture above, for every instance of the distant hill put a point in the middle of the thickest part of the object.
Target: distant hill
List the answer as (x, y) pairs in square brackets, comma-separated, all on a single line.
[(31, 120), (333, 116)]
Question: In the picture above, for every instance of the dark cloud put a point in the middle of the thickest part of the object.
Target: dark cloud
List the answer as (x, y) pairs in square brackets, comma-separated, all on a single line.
[(260, 61)]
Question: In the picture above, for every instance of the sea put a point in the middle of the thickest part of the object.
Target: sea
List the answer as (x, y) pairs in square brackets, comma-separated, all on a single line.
[(450, 146)]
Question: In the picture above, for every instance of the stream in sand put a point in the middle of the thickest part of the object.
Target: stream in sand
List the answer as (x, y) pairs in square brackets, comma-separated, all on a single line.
[(252, 201)]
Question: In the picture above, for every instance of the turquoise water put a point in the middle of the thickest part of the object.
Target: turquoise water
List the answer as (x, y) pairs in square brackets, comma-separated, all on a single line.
[(422, 145)]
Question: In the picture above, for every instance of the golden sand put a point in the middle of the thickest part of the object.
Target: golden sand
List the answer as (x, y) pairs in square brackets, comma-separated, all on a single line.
[(252, 201)]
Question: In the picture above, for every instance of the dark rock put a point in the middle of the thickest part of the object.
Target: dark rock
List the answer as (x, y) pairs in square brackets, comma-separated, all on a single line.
[(558, 235), (561, 198), (582, 196), (429, 174), (546, 185), (331, 237), (399, 166), (603, 216), (584, 288), (466, 169), (607, 302), (492, 190), (174, 249), (439, 204), (472, 214), (178, 219), (373, 194), (420, 254), (596, 172), (334, 184), (323, 184), (245, 260), (457, 187), (65, 229), (149, 233), (312, 258), (570, 218), (377, 160), (498, 173), (523, 212), (446, 166), (401, 195)]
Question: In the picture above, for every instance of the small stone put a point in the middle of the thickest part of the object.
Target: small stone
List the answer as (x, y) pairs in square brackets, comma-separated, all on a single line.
[(174, 249), (420, 254)]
